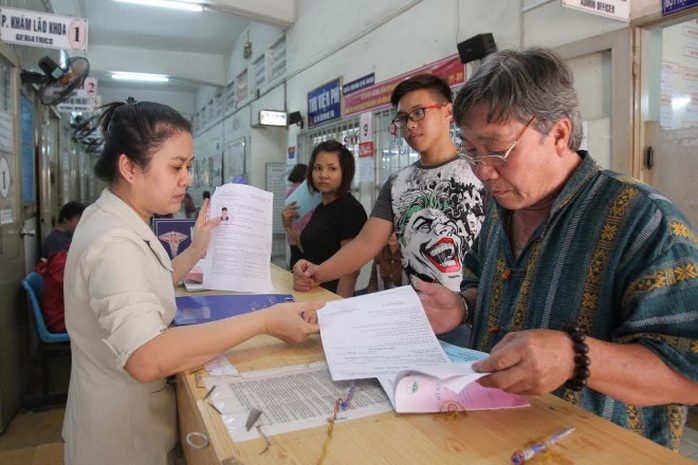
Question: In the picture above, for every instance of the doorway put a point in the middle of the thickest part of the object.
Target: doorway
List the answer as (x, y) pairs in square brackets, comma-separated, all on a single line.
[(670, 111)]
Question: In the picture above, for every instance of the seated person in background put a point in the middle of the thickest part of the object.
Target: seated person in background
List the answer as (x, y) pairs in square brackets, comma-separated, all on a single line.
[(52, 270), (120, 300), (59, 239), (386, 271), (338, 218), (583, 282)]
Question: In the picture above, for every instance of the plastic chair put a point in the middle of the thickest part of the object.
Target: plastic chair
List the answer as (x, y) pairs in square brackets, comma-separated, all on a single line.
[(49, 343)]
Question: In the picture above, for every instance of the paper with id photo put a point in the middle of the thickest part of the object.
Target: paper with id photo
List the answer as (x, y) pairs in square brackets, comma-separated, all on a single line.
[(445, 387), (239, 251)]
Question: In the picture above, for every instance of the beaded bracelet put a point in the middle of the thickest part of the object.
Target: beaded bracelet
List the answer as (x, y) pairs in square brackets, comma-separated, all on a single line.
[(466, 309), (581, 360)]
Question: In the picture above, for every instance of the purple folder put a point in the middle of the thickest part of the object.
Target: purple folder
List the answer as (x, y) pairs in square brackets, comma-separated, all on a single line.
[(204, 308)]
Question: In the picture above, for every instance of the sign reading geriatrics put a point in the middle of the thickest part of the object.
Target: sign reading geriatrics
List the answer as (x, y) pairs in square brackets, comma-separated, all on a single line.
[(325, 103), (36, 29)]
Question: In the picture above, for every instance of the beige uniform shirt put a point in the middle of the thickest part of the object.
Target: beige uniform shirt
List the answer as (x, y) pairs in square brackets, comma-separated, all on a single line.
[(118, 296)]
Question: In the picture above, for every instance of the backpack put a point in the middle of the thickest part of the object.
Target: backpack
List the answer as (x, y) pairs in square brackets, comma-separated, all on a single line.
[(53, 307)]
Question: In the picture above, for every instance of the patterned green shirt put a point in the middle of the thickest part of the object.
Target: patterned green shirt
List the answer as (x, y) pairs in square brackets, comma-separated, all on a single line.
[(615, 256)]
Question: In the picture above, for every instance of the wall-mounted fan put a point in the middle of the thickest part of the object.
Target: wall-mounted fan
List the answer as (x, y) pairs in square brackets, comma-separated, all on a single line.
[(86, 131), (56, 83)]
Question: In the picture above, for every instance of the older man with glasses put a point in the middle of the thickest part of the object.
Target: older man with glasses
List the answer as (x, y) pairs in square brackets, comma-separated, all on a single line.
[(582, 282)]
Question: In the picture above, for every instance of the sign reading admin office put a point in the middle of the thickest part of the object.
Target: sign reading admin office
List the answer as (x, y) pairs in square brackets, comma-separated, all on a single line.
[(325, 103), (36, 29)]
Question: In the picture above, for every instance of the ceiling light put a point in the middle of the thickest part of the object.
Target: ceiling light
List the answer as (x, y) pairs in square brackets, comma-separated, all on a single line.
[(139, 77), (175, 4)]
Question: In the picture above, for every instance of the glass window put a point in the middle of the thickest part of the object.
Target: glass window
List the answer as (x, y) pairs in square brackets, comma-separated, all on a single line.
[(260, 71), (277, 59), (230, 96)]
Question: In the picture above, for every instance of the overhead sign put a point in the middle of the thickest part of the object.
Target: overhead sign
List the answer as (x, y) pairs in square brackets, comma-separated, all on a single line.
[(36, 29), (674, 6), (75, 104), (359, 84), (325, 103), (272, 118), (616, 9), (378, 95), (83, 99)]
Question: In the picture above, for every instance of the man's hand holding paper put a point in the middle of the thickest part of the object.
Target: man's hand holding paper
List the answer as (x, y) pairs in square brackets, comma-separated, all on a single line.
[(387, 335)]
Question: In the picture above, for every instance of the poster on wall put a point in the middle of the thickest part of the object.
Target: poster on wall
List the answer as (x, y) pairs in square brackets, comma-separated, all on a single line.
[(325, 103), (275, 183), (234, 159), (26, 137)]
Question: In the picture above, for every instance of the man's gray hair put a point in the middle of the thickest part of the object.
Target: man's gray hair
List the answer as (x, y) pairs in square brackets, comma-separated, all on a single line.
[(522, 84)]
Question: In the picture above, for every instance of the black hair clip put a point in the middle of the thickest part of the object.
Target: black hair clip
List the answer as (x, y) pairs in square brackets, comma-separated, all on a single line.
[(130, 101)]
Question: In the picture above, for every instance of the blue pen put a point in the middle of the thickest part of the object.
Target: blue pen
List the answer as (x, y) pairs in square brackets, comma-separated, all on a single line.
[(348, 395), (523, 455)]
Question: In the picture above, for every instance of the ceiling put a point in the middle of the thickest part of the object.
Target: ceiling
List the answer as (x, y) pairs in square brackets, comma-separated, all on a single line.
[(191, 47)]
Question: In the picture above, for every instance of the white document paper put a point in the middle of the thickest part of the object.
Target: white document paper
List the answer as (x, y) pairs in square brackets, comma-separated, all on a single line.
[(290, 398), (387, 335), (220, 366), (378, 334), (239, 252)]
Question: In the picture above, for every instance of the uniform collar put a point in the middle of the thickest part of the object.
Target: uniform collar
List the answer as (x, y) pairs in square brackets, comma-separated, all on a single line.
[(114, 205)]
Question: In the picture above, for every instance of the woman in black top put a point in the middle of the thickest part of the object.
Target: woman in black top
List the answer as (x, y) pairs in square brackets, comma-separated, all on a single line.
[(340, 217)]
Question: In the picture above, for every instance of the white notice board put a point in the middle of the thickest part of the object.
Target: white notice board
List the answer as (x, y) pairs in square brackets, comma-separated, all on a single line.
[(276, 184)]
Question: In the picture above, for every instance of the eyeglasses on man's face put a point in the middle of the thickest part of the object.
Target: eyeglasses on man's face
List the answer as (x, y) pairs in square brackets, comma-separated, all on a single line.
[(493, 159), (415, 115)]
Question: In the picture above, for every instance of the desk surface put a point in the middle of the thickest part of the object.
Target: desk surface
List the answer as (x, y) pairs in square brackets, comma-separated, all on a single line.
[(487, 437)]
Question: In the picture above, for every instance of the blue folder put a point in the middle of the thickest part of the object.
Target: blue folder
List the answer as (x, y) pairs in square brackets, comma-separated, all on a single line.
[(204, 308)]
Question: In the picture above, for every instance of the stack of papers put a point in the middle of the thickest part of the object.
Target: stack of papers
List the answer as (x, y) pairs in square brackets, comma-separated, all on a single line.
[(387, 335)]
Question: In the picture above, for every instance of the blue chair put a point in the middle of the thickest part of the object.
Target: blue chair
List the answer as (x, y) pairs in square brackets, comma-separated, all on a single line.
[(49, 343)]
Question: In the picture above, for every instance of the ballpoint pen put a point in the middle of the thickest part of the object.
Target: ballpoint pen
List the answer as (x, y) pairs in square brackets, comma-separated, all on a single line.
[(521, 456), (210, 391), (348, 395)]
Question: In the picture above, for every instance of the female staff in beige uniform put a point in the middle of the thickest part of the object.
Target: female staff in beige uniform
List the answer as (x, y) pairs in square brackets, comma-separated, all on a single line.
[(120, 298)]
